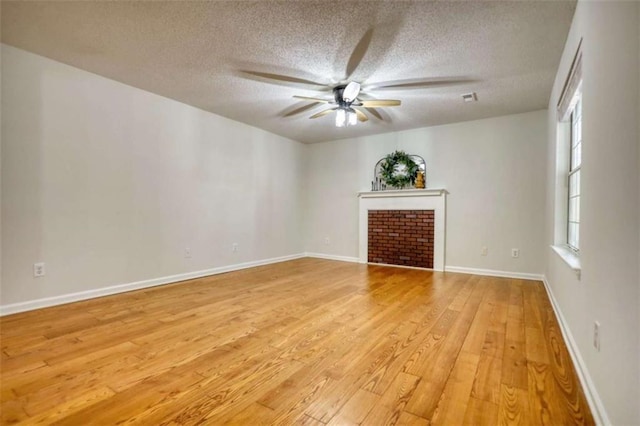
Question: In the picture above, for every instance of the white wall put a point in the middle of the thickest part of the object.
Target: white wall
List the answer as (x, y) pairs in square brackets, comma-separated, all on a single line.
[(1, 48), (109, 184), (494, 170), (610, 285)]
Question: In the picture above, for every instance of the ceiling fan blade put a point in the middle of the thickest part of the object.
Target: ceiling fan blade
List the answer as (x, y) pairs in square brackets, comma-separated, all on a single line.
[(280, 79), (375, 103), (323, 113), (361, 115), (307, 98), (299, 110), (375, 113), (415, 84), (358, 52)]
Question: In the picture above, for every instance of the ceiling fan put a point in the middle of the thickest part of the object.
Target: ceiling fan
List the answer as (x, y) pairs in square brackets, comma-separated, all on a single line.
[(346, 101)]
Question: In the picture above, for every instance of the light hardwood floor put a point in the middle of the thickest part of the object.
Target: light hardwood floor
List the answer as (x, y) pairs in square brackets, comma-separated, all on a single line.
[(302, 342)]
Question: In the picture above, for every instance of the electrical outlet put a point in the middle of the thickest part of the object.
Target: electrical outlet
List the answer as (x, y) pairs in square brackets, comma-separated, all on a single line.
[(187, 253), (38, 269), (596, 335), (515, 252), (327, 241), (484, 251), (235, 247)]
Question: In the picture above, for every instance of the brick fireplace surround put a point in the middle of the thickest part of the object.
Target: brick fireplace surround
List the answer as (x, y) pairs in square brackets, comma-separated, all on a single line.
[(386, 217), (401, 237)]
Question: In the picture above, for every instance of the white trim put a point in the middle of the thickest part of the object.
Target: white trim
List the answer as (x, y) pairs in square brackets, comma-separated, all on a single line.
[(569, 257), (494, 273), (403, 193), (593, 398), (333, 257), (412, 199), (122, 288), (458, 269)]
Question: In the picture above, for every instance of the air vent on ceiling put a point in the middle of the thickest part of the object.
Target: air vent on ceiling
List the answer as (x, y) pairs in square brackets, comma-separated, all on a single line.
[(470, 97)]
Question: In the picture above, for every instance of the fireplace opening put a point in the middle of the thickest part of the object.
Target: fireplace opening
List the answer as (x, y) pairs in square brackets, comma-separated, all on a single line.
[(401, 237)]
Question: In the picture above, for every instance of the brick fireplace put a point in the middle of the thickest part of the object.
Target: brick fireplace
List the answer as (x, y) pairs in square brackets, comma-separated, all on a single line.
[(405, 227), (401, 237)]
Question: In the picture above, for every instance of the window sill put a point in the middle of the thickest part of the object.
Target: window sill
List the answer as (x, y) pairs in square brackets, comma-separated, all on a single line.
[(569, 257)]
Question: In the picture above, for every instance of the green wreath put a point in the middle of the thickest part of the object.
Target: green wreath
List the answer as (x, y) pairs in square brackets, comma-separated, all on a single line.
[(398, 169)]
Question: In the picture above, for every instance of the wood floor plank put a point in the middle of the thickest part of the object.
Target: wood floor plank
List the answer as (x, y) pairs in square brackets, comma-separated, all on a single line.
[(488, 376), (455, 396), (254, 414), (408, 419), (71, 406), (514, 365), (308, 341), (476, 336), (391, 405), (435, 372), (356, 409), (500, 296), (541, 396), (535, 345), (303, 384), (514, 407), (39, 379), (480, 412)]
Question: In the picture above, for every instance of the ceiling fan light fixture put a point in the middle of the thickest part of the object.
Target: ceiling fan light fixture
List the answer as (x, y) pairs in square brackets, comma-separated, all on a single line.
[(352, 116), (346, 117), (341, 117), (351, 91)]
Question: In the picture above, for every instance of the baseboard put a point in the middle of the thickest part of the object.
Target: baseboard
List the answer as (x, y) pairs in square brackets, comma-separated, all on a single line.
[(593, 398), (333, 257), (122, 288), (494, 273), (459, 269)]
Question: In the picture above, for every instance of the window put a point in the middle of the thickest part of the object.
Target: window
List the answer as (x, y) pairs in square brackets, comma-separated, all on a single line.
[(566, 238), (575, 162)]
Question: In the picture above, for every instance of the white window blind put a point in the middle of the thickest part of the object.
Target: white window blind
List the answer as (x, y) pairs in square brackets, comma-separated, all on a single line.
[(567, 100)]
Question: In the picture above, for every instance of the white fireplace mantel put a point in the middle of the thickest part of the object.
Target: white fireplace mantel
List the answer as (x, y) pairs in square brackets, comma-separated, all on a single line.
[(403, 193), (407, 199)]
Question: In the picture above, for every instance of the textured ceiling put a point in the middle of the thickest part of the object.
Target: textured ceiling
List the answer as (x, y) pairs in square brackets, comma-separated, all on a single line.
[(211, 55)]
